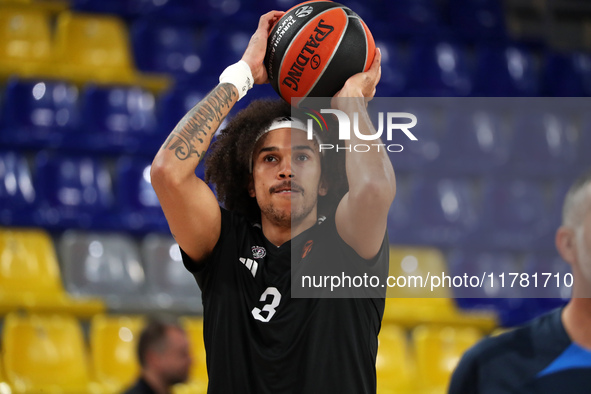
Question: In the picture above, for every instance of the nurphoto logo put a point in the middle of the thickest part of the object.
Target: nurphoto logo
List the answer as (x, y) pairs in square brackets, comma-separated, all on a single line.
[(392, 122)]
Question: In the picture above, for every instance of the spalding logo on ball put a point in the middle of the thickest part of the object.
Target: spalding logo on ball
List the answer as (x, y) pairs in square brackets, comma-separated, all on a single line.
[(314, 48)]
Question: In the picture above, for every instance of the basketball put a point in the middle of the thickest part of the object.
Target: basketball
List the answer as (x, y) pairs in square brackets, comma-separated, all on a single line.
[(314, 48)]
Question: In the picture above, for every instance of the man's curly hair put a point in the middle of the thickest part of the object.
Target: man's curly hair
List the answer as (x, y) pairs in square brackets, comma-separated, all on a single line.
[(229, 159)]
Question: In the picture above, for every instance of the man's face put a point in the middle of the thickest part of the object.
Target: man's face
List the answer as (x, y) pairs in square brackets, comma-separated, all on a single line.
[(286, 177), (174, 362)]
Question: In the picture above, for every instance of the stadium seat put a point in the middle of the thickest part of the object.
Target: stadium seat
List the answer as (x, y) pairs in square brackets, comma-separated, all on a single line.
[(30, 277), (92, 48), (4, 386), (544, 143), (198, 374), (474, 140), (139, 208), (395, 364), (412, 18), (412, 301), (113, 349), (477, 20), (119, 119), (117, 7), (438, 350), (584, 145), (169, 47), (39, 114), (168, 282), (46, 354), (73, 191), (175, 103), (504, 71), (438, 68), (443, 211), (393, 78), (106, 265), (399, 217), (418, 155), (25, 41), (498, 294), (17, 195), (566, 74), (513, 214)]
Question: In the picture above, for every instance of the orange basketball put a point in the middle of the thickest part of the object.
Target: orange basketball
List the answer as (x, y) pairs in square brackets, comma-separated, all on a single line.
[(314, 48)]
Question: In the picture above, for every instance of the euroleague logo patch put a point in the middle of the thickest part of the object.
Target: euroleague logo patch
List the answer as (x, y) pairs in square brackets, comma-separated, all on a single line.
[(258, 252), (307, 248), (304, 11)]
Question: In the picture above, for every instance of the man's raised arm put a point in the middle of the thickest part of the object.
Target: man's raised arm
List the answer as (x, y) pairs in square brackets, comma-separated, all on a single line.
[(190, 207), (361, 216)]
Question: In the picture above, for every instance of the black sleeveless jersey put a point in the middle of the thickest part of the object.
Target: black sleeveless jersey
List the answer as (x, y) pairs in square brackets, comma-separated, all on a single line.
[(260, 340)]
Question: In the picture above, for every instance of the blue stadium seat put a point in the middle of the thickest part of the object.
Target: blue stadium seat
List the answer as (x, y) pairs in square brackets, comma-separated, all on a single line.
[(399, 215), (505, 71), (170, 47), (175, 103), (38, 114), (17, 193), (513, 215), (473, 141), (566, 74), (412, 18), (510, 303), (178, 10), (139, 208), (120, 119), (543, 144), (119, 7), (416, 155), (393, 79), (73, 192), (584, 145), (442, 210), (477, 20), (438, 68)]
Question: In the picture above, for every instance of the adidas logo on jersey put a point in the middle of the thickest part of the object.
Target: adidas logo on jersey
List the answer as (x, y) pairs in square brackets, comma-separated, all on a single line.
[(250, 264)]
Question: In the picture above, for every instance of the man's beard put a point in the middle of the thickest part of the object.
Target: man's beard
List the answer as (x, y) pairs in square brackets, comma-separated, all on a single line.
[(285, 218)]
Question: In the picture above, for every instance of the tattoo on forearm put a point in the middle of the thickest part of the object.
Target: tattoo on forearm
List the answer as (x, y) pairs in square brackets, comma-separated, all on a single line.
[(186, 138)]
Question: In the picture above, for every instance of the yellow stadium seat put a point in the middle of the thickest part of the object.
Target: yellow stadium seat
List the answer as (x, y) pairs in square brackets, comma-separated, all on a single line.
[(198, 375), (46, 354), (93, 48), (395, 367), (4, 386), (25, 41), (113, 346), (438, 350), (411, 303), (30, 276)]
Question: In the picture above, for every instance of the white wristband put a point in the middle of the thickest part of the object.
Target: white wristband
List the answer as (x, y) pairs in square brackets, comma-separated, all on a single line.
[(239, 75)]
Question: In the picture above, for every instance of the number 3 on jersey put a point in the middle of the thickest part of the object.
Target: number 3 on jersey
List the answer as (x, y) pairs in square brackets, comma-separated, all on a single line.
[(269, 307)]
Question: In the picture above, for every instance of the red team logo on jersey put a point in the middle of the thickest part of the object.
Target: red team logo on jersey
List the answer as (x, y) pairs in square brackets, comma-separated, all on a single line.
[(307, 248)]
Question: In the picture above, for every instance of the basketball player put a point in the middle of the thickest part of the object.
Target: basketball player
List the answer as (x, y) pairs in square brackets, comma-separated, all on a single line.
[(269, 178), (552, 354)]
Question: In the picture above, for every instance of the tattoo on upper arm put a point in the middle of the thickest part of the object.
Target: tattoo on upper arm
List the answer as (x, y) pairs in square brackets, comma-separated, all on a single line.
[(197, 123)]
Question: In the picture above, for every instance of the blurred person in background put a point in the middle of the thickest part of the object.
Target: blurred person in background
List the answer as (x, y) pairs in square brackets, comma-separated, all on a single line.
[(552, 354), (164, 357)]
